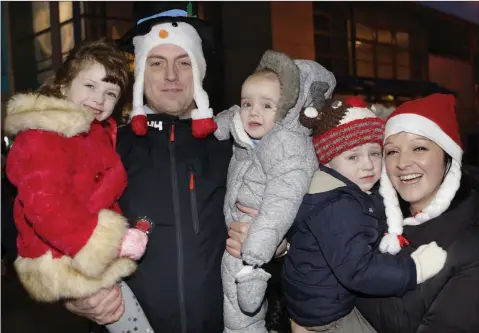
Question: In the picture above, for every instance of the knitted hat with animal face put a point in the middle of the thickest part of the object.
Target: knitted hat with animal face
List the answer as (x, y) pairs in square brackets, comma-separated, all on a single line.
[(342, 125), (180, 33)]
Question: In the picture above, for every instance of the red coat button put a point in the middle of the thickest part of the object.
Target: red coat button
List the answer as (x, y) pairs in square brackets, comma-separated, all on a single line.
[(98, 177)]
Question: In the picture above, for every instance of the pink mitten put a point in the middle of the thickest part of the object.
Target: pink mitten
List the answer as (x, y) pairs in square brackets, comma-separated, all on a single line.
[(134, 244)]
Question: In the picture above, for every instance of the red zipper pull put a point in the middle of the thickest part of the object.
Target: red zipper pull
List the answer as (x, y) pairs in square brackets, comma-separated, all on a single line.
[(172, 134), (192, 181)]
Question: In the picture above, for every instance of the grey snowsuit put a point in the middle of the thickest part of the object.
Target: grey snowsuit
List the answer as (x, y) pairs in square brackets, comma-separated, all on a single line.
[(272, 177)]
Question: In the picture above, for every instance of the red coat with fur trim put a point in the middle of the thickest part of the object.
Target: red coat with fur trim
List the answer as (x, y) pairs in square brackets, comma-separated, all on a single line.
[(68, 177)]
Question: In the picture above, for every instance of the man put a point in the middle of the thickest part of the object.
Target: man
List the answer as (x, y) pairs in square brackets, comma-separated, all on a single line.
[(174, 180)]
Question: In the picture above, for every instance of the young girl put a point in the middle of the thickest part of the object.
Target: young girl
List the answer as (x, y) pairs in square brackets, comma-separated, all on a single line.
[(72, 239)]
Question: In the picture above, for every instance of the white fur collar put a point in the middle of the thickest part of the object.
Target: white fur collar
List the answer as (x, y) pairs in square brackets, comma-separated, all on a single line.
[(34, 111)]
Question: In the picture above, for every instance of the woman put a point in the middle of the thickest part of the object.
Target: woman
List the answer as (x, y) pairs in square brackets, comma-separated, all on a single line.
[(423, 165)]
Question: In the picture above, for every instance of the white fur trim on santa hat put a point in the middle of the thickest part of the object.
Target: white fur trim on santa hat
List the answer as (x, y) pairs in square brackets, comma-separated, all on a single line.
[(419, 125), (180, 34), (355, 113)]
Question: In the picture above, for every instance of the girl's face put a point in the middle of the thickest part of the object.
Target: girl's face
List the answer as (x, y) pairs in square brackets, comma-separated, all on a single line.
[(88, 90), (415, 165)]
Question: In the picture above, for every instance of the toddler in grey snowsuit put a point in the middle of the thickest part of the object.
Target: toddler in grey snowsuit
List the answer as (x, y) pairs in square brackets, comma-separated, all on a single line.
[(272, 164)]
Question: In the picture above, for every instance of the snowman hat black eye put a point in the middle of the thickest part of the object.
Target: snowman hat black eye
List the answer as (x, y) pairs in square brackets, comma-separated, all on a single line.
[(175, 24)]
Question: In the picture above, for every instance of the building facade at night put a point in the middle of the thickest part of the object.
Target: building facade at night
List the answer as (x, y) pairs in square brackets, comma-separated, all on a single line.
[(387, 52)]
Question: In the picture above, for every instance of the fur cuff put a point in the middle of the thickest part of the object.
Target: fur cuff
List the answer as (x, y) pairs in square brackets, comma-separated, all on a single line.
[(103, 246), (49, 280), (202, 114)]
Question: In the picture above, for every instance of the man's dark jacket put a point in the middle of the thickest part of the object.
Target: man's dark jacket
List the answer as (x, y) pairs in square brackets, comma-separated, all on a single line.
[(179, 182)]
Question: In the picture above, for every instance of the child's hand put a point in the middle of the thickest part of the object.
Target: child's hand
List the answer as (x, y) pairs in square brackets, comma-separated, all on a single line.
[(429, 260), (134, 244)]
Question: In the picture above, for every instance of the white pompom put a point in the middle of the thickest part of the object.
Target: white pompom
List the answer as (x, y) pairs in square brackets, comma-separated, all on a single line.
[(311, 112)]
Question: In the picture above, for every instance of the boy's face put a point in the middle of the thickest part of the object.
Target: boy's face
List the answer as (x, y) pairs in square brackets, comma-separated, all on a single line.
[(361, 165), (90, 91), (259, 102)]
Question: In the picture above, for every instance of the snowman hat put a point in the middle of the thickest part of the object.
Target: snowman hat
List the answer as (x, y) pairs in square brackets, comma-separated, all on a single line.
[(432, 117), (172, 27)]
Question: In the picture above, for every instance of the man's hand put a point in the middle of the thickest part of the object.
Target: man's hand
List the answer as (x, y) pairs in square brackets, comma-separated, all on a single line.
[(238, 232), (104, 307), (237, 235)]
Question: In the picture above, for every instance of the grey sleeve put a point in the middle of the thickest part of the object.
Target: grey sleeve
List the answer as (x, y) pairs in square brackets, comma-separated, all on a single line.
[(289, 165), (224, 120)]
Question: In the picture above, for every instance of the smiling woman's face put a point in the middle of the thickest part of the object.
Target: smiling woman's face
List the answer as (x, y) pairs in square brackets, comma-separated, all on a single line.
[(415, 166), (90, 91)]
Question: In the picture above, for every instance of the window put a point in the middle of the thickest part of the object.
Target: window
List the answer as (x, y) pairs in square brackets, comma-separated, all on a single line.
[(381, 53), (67, 39), (371, 52), (42, 40), (331, 37)]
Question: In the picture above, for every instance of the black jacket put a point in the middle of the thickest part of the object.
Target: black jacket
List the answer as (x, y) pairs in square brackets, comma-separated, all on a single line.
[(449, 302), (332, 252), (178, 182)]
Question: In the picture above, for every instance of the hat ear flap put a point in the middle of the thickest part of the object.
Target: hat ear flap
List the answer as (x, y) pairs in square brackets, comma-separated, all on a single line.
[(318, 92), (311, 116)]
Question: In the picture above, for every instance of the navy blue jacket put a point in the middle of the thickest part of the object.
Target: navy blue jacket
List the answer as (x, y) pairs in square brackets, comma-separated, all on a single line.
[(333, 252)]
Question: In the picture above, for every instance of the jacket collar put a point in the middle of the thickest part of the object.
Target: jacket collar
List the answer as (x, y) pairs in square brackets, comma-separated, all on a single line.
[(40, 112)]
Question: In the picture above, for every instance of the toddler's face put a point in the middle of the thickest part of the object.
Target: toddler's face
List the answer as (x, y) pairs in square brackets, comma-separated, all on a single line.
[(90, 91), (259, 102), (361, 165)]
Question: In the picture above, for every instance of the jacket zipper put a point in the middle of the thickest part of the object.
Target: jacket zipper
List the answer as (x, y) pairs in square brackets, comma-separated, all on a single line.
[(194, 207), (179, 240)]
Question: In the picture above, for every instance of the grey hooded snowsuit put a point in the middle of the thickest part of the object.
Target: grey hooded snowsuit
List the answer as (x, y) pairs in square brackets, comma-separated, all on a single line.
[(272, 177)]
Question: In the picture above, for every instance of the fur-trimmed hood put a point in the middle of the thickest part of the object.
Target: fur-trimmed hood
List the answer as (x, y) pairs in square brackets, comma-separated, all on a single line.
[(35, 111)]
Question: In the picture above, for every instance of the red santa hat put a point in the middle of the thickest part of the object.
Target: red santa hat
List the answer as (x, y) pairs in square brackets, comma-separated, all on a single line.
[(341, 126), (432, 117), (185, 36)]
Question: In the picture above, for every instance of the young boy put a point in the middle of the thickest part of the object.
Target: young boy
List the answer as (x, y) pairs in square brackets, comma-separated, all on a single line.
[(270, 171), (333, 242)]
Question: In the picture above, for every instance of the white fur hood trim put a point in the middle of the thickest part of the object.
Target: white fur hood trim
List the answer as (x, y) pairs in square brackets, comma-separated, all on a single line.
[(34, 111)]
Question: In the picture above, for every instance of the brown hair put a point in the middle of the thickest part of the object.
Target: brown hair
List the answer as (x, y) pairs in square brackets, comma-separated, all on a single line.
[(103, 51)]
